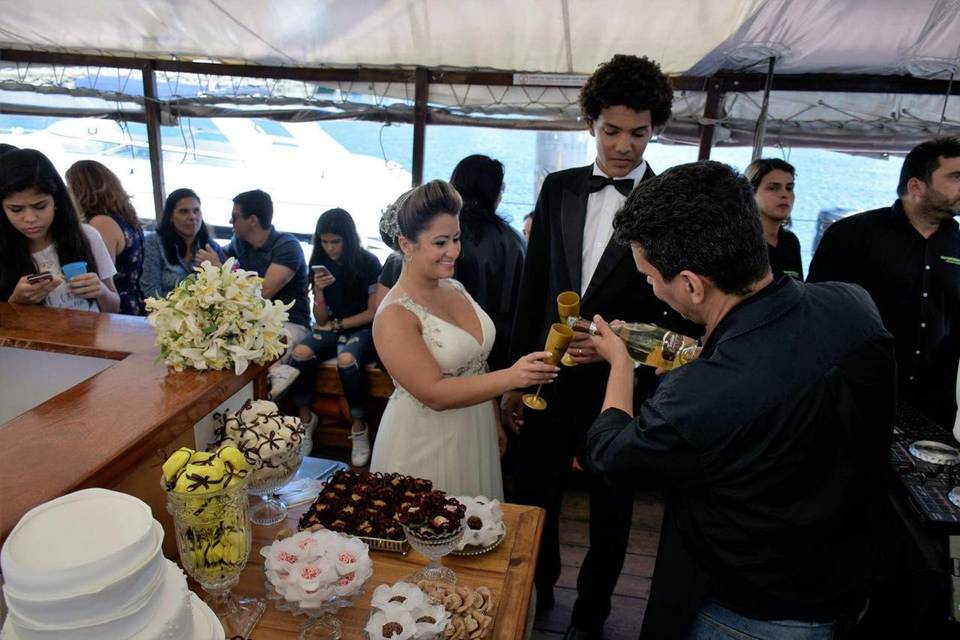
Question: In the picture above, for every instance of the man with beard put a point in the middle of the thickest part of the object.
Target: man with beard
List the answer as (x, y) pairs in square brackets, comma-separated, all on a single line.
[(908, 258)]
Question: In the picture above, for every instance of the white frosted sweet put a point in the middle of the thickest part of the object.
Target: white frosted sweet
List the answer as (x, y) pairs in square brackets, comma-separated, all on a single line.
[(167, 613), (120, 587), (206, 626), (63, 546), (98, 602), (270, 441)]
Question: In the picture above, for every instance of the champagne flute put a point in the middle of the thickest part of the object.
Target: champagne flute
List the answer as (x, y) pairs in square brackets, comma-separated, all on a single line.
[(557, 340), (568, 306)]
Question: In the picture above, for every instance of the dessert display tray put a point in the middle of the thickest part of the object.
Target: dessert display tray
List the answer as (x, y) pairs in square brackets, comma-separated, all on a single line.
[(390, 546)]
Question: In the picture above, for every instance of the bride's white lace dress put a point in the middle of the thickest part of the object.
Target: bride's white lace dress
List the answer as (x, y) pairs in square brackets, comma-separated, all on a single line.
[(457, 448)]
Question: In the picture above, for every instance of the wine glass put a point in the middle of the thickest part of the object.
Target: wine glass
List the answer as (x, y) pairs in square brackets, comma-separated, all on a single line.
[(265, 482), (434, 548), (568, 306), (557, 341), (213, 539)]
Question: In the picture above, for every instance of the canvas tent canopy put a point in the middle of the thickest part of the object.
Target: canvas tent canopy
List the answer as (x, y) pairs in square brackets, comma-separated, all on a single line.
[(862, 75)]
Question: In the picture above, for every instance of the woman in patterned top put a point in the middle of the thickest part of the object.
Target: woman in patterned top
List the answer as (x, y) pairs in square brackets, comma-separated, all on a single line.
[(107, 208)]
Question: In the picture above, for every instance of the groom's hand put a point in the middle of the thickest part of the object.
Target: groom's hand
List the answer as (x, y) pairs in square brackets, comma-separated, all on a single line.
[(511, 410), (581, 349)]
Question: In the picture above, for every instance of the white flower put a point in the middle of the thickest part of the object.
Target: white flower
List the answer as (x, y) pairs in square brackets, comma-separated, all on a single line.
[(217, 318), (391, 623)]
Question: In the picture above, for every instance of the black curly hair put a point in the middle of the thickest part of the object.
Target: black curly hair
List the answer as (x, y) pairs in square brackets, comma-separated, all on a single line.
[(630, 81), (700, 217)]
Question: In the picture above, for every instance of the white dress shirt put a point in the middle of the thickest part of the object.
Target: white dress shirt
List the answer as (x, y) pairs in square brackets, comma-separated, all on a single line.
[(602, 206)]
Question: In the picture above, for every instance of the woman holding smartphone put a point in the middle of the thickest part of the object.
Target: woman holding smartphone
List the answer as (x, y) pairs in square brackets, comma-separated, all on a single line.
[(344, 289), (46, 255)]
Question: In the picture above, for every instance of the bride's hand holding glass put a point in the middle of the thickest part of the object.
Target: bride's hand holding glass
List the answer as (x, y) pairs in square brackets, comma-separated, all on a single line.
[(531, 369)]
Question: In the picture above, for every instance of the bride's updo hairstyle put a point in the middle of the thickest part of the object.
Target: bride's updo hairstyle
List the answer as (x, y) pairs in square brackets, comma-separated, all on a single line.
[(424, 203)]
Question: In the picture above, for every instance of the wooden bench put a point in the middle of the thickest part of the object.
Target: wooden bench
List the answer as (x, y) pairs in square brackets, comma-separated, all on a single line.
[(379, 384)]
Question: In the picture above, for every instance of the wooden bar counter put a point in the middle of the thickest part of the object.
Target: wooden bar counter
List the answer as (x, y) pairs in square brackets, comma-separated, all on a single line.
[(107, 430), (507, 570)]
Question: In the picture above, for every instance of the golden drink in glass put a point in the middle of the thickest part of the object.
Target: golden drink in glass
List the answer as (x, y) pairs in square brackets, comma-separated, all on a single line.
[(557, 340), (568, 306)]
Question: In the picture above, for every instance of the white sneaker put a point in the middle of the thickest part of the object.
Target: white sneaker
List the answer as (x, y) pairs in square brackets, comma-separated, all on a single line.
[(281, 376), (306, 446), (360, 455)]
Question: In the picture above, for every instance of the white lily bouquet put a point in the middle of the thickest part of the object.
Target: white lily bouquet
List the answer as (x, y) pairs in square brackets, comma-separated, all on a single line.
[(217, 318)]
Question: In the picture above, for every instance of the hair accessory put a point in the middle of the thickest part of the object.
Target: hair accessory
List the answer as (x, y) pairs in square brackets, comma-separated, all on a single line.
[(390, 221), (390, 225)]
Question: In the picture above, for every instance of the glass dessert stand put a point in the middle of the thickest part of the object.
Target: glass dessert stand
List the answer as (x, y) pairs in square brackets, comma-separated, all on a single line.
[(265, 482), (322, 622), (213, 539), (434, 548)]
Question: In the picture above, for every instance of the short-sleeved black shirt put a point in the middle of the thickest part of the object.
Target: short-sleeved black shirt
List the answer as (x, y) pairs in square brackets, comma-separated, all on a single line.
[(343, 302), (916, 285), (785, 257), (391, 270)]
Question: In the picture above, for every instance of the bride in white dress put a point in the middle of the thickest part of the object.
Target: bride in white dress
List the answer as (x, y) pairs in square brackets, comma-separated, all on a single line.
[(442, 422)]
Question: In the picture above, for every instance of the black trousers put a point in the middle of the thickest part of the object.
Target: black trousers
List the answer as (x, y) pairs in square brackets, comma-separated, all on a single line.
[(545, 447)]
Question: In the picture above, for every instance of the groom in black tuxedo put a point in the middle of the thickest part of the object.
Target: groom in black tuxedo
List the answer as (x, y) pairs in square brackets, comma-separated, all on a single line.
[(572, 248)]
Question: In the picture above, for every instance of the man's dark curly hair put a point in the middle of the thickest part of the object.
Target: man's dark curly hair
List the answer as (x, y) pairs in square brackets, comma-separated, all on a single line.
[(629, 81), (700, 217), (924, 159)]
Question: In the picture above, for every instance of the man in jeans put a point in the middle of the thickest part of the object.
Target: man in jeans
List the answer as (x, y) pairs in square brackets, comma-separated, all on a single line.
[(771, 447)]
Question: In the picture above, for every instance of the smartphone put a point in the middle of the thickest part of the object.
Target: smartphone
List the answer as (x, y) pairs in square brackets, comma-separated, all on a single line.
[(319, 269), (43, 276)]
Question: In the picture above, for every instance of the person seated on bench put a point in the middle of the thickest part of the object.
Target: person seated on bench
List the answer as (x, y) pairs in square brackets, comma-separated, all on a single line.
[(344, 288)]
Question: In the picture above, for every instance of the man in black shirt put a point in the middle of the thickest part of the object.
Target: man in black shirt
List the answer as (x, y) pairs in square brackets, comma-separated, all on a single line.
[(770, 444), (908, 258), (773, 181)]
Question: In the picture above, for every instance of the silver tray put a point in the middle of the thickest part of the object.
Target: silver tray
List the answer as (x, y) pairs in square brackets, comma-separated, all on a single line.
[(383, 544)]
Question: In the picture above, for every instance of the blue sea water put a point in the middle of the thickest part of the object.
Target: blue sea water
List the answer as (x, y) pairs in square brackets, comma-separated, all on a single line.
[(825, 179)]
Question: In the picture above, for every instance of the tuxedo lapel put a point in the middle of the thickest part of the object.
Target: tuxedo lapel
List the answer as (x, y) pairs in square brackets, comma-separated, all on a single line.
[(612, 255), (573, 215)]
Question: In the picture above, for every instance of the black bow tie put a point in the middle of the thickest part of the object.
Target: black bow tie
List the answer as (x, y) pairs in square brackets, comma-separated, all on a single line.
[(624, 186)]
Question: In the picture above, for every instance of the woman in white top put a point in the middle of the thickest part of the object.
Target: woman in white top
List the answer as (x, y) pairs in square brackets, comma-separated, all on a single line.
[(40, 231), (442, 422)]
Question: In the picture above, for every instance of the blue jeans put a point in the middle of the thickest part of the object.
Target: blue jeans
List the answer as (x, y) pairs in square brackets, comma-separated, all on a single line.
[(326, 345), (714, 622)]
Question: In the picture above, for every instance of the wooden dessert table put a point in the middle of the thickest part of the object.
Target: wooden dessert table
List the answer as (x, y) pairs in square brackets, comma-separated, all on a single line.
[(507, 570)]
